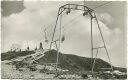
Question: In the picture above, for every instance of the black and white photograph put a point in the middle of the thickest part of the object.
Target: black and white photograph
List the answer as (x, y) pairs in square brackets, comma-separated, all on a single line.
[(63, 40)]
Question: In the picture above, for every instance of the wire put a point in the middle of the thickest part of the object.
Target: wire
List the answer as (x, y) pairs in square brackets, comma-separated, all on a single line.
[(80, 14), (71, 20), (102, 5), (92, 8)]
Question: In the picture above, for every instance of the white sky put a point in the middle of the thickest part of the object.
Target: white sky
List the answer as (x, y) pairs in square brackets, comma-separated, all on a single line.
[(27, 26)]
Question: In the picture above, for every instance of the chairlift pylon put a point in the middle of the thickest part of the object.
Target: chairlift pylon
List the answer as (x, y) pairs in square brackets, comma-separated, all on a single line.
[(87, 11)]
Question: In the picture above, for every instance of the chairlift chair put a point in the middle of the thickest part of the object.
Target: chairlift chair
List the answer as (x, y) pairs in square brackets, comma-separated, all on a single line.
[(62, 39), (85, 13)]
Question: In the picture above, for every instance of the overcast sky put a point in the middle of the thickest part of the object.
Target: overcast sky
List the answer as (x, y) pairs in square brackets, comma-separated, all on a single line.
[(24, 22)]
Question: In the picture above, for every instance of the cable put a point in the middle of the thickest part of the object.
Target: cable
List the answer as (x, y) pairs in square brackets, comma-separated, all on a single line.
[(80, 14), (93, 8), (102, 5), (71, 20)]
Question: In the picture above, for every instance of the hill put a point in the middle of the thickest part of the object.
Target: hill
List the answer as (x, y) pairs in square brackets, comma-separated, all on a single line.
[(11, 55), (66, 61), (72, 62)]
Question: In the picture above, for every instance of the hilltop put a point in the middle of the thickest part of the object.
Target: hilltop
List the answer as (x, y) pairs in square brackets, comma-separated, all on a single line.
[(66, 61)]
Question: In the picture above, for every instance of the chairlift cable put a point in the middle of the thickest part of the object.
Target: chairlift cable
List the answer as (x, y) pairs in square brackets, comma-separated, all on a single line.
[(80, 14), (71, 20), (102, 5), (93, 8)]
